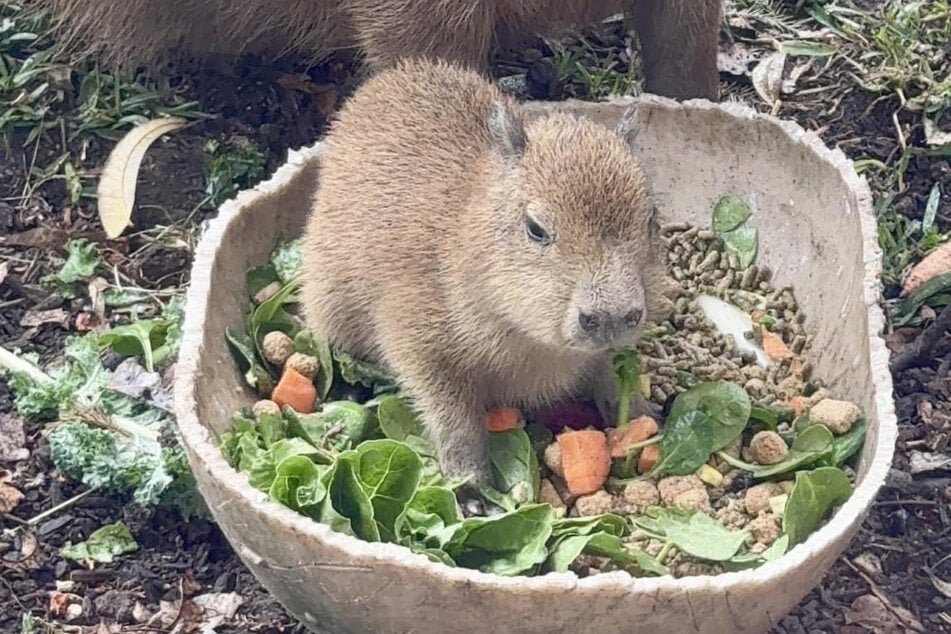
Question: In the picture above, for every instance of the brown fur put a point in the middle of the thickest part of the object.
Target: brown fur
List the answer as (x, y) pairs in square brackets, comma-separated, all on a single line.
[(417, 254), (679, 36)]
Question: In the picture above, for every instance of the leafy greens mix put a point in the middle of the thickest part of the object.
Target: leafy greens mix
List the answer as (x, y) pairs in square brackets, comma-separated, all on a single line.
[(362, 463)]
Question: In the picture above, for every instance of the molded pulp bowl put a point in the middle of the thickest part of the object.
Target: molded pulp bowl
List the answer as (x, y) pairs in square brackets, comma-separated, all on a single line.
[(817, 232)]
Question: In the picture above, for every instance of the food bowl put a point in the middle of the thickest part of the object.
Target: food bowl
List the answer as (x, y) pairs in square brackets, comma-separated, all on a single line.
[(817, 232)]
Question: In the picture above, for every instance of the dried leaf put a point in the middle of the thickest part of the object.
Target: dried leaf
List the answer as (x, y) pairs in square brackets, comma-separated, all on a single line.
[(736, 59), (934, 264), (12, 438), (33, 318), (218, 607), (10, 497), (768, 77), (923, 462), (116, 195), (131, 379), (942, 586), (201, 613), (59, 602), (934, 136), (872, 613), (24, 559)]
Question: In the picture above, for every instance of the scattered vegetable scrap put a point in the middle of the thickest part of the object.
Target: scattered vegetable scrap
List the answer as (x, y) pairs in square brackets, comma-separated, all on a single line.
[(503, 419), (752, 454), (296, 390), (585, 460)]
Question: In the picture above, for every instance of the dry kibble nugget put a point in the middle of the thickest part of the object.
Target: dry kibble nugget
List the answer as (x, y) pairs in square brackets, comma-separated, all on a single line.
[(295, 390), (277, 347), (585, 460)]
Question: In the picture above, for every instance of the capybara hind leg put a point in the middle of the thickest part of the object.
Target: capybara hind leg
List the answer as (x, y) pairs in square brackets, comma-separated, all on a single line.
[(679, 46), (388, 31)]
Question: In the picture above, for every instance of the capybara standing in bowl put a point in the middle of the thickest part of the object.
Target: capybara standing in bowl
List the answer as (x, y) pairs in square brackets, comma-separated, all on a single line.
[(484, 260)]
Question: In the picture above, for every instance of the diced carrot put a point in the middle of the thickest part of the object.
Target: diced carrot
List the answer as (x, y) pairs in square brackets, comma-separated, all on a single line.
[(295, 390), (503, 418), (648, 458), (638, 430), (798, 405), (774, 346), (585, 459)]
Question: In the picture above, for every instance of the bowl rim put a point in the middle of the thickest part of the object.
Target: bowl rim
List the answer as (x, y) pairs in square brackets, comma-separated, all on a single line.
[(198, 439)]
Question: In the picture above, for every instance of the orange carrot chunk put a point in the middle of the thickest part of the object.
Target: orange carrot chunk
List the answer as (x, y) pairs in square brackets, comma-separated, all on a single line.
[(648, 458), (295, 390), (638, 430), (503, 418), (585, 459)]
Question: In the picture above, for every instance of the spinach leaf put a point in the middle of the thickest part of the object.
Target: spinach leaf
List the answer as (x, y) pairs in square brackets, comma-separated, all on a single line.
[(607, 522), (350, 509), (271, 427), (103, 545), (508, 544), (338, 426), (686, 444), (431, 517), (357, 371), (726, 404), (270, 315), (305, 343), (299, 484), (627, 375), (742, 241), (694, 533), (729, 213), (242, 349), (765, 416), (263, 468), (729, 217), (602, 544), (389, 473), (397, 419), (514, 465), (258, 278), (813, 495), (598, 535), (145, 338), (811, 445), (846, 445), (751, 560), (242, 423)]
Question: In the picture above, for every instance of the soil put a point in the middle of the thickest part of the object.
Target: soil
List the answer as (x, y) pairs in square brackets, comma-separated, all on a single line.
[(890, 580)]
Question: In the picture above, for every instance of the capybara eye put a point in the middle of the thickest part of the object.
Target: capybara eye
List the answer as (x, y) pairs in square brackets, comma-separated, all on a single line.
[(535, 232)]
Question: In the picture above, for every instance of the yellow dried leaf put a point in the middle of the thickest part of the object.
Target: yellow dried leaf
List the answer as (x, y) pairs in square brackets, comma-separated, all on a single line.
[(116, 194)]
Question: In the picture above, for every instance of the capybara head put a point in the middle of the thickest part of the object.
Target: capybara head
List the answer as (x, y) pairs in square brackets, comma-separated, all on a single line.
[(569, 225)]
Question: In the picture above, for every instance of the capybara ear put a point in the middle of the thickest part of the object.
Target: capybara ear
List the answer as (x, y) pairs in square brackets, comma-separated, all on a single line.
[(506, 130)]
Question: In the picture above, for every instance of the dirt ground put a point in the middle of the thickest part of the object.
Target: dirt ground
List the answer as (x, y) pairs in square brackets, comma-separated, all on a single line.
[(895, 577)]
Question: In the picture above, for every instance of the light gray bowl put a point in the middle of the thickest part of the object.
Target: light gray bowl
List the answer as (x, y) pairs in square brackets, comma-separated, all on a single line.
[(817, 232)]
